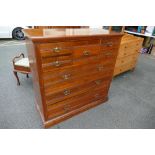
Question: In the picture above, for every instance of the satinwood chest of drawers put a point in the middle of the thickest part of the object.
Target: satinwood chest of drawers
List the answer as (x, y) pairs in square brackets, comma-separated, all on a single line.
[(72, 69), (128, 53)]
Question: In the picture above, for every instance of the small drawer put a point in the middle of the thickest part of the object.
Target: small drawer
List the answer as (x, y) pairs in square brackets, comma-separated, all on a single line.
[(53, 50), (86, 51), (109, 53), (76, 102), (52, 59), (109, 43), (57, 63)]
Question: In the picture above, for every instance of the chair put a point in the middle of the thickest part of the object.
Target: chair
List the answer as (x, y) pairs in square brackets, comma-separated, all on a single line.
[(21, 65)]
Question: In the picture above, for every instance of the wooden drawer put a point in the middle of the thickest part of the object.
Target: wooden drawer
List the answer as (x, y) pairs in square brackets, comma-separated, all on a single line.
[(128, 49), (109, 54), (85, 51), (71, 74), (73, 90), (105, 56), (136, 44), (109, 43), (59, 88), (62, 48), (124, 68), (56, 62), (53, 50), (53, 59), (76, 102), (126, 60)]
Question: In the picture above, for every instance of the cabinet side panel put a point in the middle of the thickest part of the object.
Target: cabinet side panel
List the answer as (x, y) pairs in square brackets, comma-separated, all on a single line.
[(35, 76)]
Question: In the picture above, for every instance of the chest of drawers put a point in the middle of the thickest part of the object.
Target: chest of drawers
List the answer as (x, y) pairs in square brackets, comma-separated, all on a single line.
[(72, 70), (128, 53)]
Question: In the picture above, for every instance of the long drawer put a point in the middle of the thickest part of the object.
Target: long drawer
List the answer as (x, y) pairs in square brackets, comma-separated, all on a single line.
[(127, 49), (76, 102), (72, 73), (50, 92), (126, 60), (125, 67), (72, 90)]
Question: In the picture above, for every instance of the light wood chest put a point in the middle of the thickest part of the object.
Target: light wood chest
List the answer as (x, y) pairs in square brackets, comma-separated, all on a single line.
[(128, 53)]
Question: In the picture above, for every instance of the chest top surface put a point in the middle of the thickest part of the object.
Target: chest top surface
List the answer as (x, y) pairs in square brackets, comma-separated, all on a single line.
[(44, 34)]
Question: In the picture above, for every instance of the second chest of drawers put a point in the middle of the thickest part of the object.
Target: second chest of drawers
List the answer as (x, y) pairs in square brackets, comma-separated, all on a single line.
[(128, 53)]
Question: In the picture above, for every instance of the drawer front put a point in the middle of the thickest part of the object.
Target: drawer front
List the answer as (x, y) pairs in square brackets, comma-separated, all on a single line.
[(52, 50), (86, 51), (74, 90), (74, 73), (109, 54), (124, 68), (128, 49), (105, 56), (126, 60), (76, 102), (62, 48), (56, 63), (109, 43), (135, 44), (58, 58)]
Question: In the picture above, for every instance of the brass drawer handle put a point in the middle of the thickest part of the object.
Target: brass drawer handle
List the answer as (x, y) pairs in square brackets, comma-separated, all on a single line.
[(66, 76), (98, 82), (66, 92), (56, 49), (57, 63), (86, 53)]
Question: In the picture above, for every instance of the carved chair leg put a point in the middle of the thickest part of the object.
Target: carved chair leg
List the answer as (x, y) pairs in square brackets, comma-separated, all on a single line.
[(27, 75), (16, 75)]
